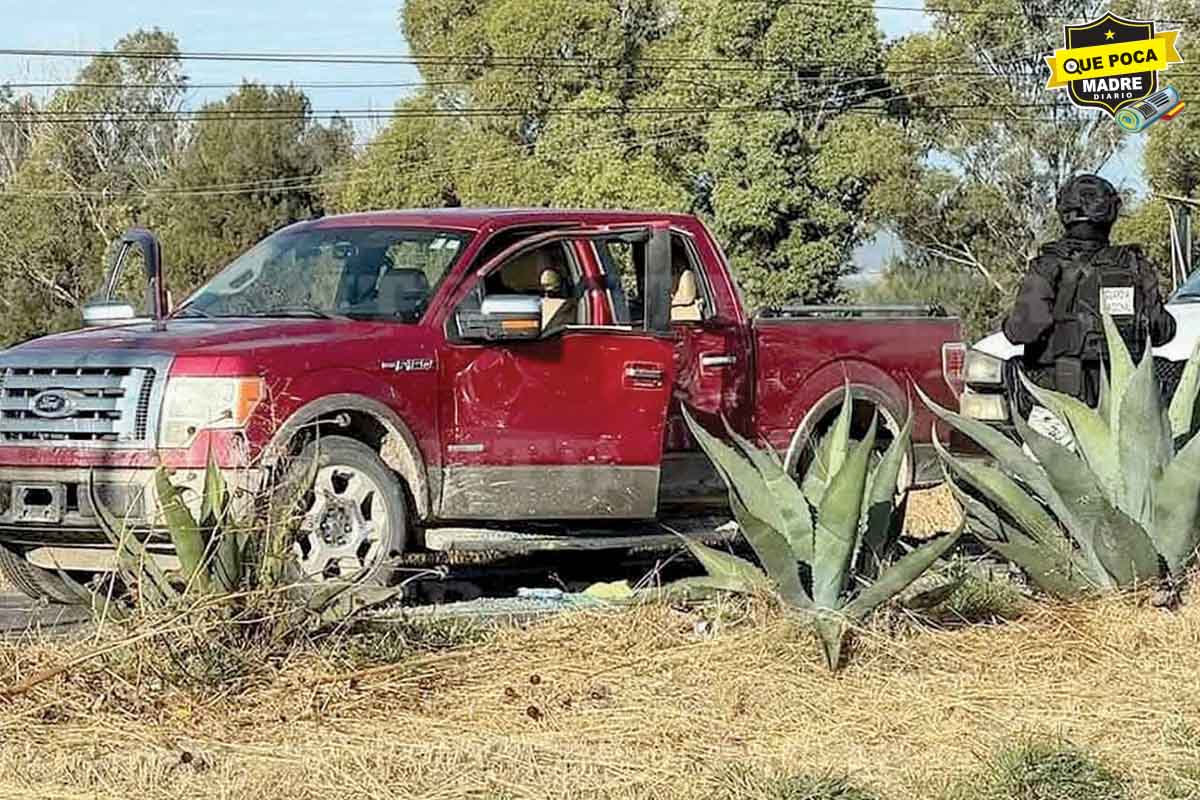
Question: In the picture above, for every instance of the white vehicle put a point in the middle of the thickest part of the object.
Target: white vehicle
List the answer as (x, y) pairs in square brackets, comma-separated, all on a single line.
[(990, 367)]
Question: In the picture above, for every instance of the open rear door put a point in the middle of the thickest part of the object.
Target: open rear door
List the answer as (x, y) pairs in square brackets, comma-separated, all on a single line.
[(562, 418)]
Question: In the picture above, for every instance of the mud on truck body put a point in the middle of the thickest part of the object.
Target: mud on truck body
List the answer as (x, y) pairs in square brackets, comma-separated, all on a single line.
[(451, 370)]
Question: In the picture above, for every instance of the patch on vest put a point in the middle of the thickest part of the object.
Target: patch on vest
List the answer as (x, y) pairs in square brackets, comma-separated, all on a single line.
[(1116, 300)]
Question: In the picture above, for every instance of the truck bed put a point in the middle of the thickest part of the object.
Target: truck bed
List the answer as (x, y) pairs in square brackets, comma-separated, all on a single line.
[(806, 354)]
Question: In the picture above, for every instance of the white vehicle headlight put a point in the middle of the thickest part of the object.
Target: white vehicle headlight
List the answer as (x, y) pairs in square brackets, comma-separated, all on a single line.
[(195, 404), (981, 369), (984, 407)]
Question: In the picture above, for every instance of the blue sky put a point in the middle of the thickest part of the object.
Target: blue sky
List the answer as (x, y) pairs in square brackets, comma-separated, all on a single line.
[(361, 26)]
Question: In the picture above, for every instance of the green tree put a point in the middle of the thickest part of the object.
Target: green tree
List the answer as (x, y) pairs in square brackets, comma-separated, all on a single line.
[(253, 163), (995, 146), (738, 111), (82, 178), (1171, 157)]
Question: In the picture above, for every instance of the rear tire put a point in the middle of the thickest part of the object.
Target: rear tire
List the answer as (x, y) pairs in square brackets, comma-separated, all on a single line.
[(35, 582), (354, 519)]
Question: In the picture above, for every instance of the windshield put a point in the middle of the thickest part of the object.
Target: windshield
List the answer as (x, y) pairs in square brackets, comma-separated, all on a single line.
[(360, 273)]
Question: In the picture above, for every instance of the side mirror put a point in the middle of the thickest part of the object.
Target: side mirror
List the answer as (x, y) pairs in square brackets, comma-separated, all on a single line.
[(107, 313), (505, 317), (106, 309)]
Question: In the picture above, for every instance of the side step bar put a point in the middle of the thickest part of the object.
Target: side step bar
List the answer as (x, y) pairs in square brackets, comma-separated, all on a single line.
[(656, 536)]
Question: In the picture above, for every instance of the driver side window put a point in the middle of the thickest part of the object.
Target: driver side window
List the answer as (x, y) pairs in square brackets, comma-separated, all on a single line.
[(547, 273)]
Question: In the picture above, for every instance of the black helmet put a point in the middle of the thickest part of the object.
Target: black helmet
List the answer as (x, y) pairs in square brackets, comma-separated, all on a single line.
[(1088, 198)]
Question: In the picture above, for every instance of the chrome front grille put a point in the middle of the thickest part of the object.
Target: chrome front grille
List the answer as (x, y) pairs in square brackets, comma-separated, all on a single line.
[(101, 404)]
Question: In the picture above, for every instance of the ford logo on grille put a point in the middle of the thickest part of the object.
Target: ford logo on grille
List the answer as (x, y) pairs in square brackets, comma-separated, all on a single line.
[(52, 403)]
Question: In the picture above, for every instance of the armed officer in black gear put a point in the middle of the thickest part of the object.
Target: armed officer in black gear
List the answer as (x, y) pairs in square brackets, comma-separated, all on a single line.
[(1076, 279)]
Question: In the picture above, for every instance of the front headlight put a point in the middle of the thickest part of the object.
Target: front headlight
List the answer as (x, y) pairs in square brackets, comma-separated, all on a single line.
[(984, 407), (981, 369), (195, 404)]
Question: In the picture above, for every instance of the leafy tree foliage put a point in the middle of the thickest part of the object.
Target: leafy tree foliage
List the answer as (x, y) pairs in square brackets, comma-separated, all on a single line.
[(83, 178), (981, 199), (115, 153), (748, 113), (252, 164), (1171, 158)]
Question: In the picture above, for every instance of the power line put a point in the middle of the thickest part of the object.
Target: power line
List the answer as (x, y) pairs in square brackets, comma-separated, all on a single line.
[(492, 60), (327, 179), (931, 9), (309, 182)]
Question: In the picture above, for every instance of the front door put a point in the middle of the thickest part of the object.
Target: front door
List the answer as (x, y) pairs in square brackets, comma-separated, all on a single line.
[(566, 425)]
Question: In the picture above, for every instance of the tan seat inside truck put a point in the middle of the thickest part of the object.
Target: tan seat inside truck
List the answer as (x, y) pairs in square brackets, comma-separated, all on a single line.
[(537, 273), (686, 303)]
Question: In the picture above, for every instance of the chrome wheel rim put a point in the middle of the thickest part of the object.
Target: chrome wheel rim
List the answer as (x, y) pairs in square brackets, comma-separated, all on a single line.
[(343, 528)]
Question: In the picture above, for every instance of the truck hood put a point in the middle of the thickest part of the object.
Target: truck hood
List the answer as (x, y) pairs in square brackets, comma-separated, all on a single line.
[(201, 337), (1187, 332)]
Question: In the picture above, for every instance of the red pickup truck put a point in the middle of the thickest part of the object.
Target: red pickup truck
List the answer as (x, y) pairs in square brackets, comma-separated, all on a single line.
[(447, 367)]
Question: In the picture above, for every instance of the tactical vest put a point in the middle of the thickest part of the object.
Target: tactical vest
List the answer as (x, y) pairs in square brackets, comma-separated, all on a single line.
[(1107, 282)]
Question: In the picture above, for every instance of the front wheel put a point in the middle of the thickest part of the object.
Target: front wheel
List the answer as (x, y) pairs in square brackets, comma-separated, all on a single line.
[(36, 582), (353, 520)]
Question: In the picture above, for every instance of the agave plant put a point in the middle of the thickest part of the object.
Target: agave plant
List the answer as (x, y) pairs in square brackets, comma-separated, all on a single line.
[(212, 550), (221, 556), (842, 516), (1123, 508)]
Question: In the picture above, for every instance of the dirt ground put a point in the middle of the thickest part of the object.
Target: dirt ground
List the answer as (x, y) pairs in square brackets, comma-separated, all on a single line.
[(645, 703), (932, 511)]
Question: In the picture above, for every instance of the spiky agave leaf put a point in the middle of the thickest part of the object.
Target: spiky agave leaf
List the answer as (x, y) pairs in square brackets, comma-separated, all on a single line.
[(829, 452), (698, 587), (839, 435), (1176, 527), (185, 532), (793, 508), (900, 575), (1113, 545), (774, 553), (830, 630), (1054, 570), (1078, 482), (1183, 410), (764, 524), (1091, 433), (1104, 405), (1143, 442), (1014, 460), (730, 572), (1009, 456), (739, 473), (1005, 493), (222, 544), (837, 524), (137, 567), (880, 505), (214, 500), (1121, 369)]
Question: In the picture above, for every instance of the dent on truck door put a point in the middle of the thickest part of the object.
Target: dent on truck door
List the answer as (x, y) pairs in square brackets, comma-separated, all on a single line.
[(568, 426)]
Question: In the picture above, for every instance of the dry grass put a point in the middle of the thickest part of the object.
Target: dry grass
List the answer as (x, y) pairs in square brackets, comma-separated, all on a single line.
[(931, 511), (636, 704)]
